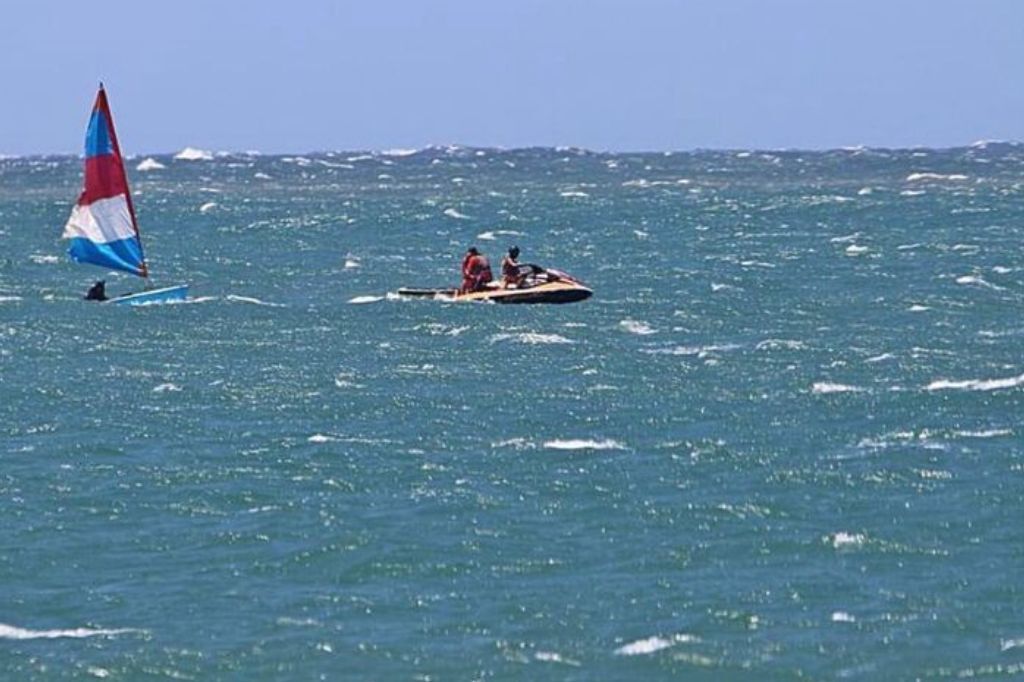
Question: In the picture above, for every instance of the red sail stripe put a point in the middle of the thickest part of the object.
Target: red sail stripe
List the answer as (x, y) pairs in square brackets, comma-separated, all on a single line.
[(104, 178)]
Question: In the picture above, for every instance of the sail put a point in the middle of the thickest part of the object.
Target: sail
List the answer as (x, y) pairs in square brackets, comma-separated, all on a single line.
[(102, 227)]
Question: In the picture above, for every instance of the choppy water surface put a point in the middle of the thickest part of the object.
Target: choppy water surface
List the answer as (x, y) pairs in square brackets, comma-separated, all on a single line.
[(783, 440)]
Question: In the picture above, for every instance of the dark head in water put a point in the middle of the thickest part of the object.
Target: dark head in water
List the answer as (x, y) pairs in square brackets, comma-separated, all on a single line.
[(97, 292), (473, 251), (514, 252)]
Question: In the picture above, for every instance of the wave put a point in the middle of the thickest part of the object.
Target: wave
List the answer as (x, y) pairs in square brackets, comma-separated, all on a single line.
[(700, 351), (532, 338), (14, 632), (842, 539), (41, 259), (975, 384), (491, 235), (208, 206), (637, 327), (856, 250), (193, 154), (918, 177), (452, 213), (584, 444), (399, 152), (980, 281), (321, 438), (554, 657), (149, 164), (254, 301), (573, 193), (654, 644), (167, 388), (826, 387), (358, 300), (987, 433)]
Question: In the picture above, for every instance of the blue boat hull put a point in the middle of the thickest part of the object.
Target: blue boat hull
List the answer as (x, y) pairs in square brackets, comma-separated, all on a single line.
[(164, 295)]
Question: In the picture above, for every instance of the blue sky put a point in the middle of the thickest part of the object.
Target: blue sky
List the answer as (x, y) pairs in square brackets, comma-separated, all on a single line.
[(304, 75)]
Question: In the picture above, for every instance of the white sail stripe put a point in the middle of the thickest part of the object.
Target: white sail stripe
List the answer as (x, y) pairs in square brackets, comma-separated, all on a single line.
[(106, 220)]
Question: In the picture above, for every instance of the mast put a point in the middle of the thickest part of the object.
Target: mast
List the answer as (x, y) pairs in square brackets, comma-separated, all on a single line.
[(104, 106)]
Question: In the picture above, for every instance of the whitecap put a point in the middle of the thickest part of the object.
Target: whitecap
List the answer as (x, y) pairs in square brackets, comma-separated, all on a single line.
[(452, 213), (975, 384), (254, 301), (9, 299), (980, 281), (864, 191), (41, 259), (208, 206), (399, 152), (637, 327), (516, 443), (365, 299), (842, 617), (844, 539), (917, 177), (640, 234), (553, 657), (780, 344), (13, 632), (918, 308), (573, 193), (654, 644), (856, 250), (351, 263), (492, 235), (321, 438), (531, 338), (912, 192), (1007, 644), (261, 176), (826, 387), (699, 351), (880, 358), (584, 444), (987, 433), (193, 154), (167, 388), (149, 164)]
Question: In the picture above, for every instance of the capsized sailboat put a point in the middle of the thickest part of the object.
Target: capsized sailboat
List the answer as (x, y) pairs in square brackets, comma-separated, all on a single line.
[(102, 228), (536, 285)]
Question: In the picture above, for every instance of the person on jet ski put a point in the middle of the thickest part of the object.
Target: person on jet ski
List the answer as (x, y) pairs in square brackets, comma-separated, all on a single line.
[(97, 292), (510, 275), (476, 271)]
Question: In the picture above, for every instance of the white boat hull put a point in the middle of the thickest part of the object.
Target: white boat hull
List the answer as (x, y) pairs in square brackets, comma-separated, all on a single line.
[(165, 295)]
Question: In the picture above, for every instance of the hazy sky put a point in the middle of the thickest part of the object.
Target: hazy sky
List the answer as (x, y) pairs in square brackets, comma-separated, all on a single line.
[(304, 75)]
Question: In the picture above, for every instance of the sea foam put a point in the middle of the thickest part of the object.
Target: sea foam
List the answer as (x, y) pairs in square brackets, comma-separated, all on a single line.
[(14, 632)]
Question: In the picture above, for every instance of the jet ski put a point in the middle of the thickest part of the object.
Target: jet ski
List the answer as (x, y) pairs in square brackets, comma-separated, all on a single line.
[(536, 285)]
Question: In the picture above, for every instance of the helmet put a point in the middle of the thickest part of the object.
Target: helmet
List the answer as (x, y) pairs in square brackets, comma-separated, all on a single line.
[(514, 252)]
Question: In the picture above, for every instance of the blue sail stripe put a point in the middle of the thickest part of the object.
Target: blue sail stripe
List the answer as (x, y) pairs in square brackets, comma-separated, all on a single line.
[(123, 254), (97, 137)]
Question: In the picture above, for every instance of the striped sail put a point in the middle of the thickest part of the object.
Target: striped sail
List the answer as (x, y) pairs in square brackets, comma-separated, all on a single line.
[(102, 227)]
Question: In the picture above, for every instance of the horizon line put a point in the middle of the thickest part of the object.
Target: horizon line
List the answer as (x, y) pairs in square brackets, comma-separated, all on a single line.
[(412, 151)]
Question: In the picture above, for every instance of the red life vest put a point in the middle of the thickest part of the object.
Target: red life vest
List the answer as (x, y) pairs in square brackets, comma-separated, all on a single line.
[(480, 269)]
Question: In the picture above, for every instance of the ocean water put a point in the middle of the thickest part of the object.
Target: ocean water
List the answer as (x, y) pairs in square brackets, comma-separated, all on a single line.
[(782, 441)]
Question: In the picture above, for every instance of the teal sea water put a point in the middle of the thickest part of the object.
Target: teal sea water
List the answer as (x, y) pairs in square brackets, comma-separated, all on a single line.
[(783, 441)]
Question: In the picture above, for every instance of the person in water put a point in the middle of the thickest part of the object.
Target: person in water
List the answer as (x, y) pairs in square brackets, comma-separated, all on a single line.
[(97, 292), (510, 275), (476, 271)]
